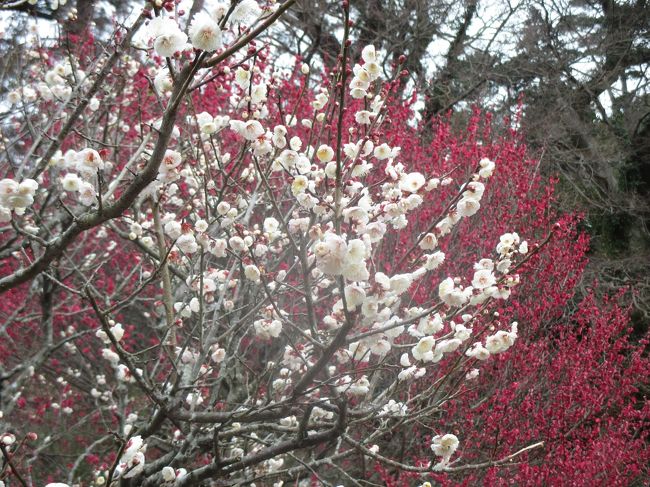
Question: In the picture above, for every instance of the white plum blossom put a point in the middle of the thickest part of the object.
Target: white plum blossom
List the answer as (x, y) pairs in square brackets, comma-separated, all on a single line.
[(207, 123), (508, 242), (428, 242), (320, 100), (173, 229), (375, 231), (325, 153), (223, 208), (486, 168), (271, 225), (89, 160), (110, 356), (383, 151), (412, 182), (448, 345), (503, 265), (168, 474), (433, 261), (364, 117), (267, 329), (472, 374), (368, 54), (355, 268), (483, 278), (168, 170), (243, 77), (467, 207), (117, 331), (252, 273), (444, 446), (411, 373), (17, 196), (461, 332), (331, 253), (502, 340), (354, 295), (237, 244), (373, 69), (258, 93), (13, 97), (167, 35), (430, 325), (400, 283), (299, 185), (381, 347), (250, 130), (484, 264), (70, 182), (246, 11), (394, 408), (87, 193), (452, 295), (423, 350), (523, 248), (187, 243), (8, 439), (133, 460), (361, 387), (478, 351), (205, 33), (218, 354), (201, 226)]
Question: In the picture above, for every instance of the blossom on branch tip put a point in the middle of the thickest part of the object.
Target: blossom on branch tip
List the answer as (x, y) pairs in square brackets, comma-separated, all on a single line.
[(167, 45), (423, 351), (267, 329), (205, 33), (429, 325), (71, 182), (486, 168), (245, 12), (478, 351), (467, 207), (451, 295), (250, 130), (368, 54), (168, 474), (354, 295), (325, 153), (483, 278), (444, 446), (133, 460), (17, 196), (252, 273), (187, 243), (428, 242), (502, 340), (412, 182)]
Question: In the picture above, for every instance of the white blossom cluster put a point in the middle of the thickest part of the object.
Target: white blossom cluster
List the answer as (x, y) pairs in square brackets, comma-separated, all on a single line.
[(83, 169), (204, 32), (132, 461), (16, 197), (275, 247), (363, 76), (341, 246), (57, 85), (444, 446)]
